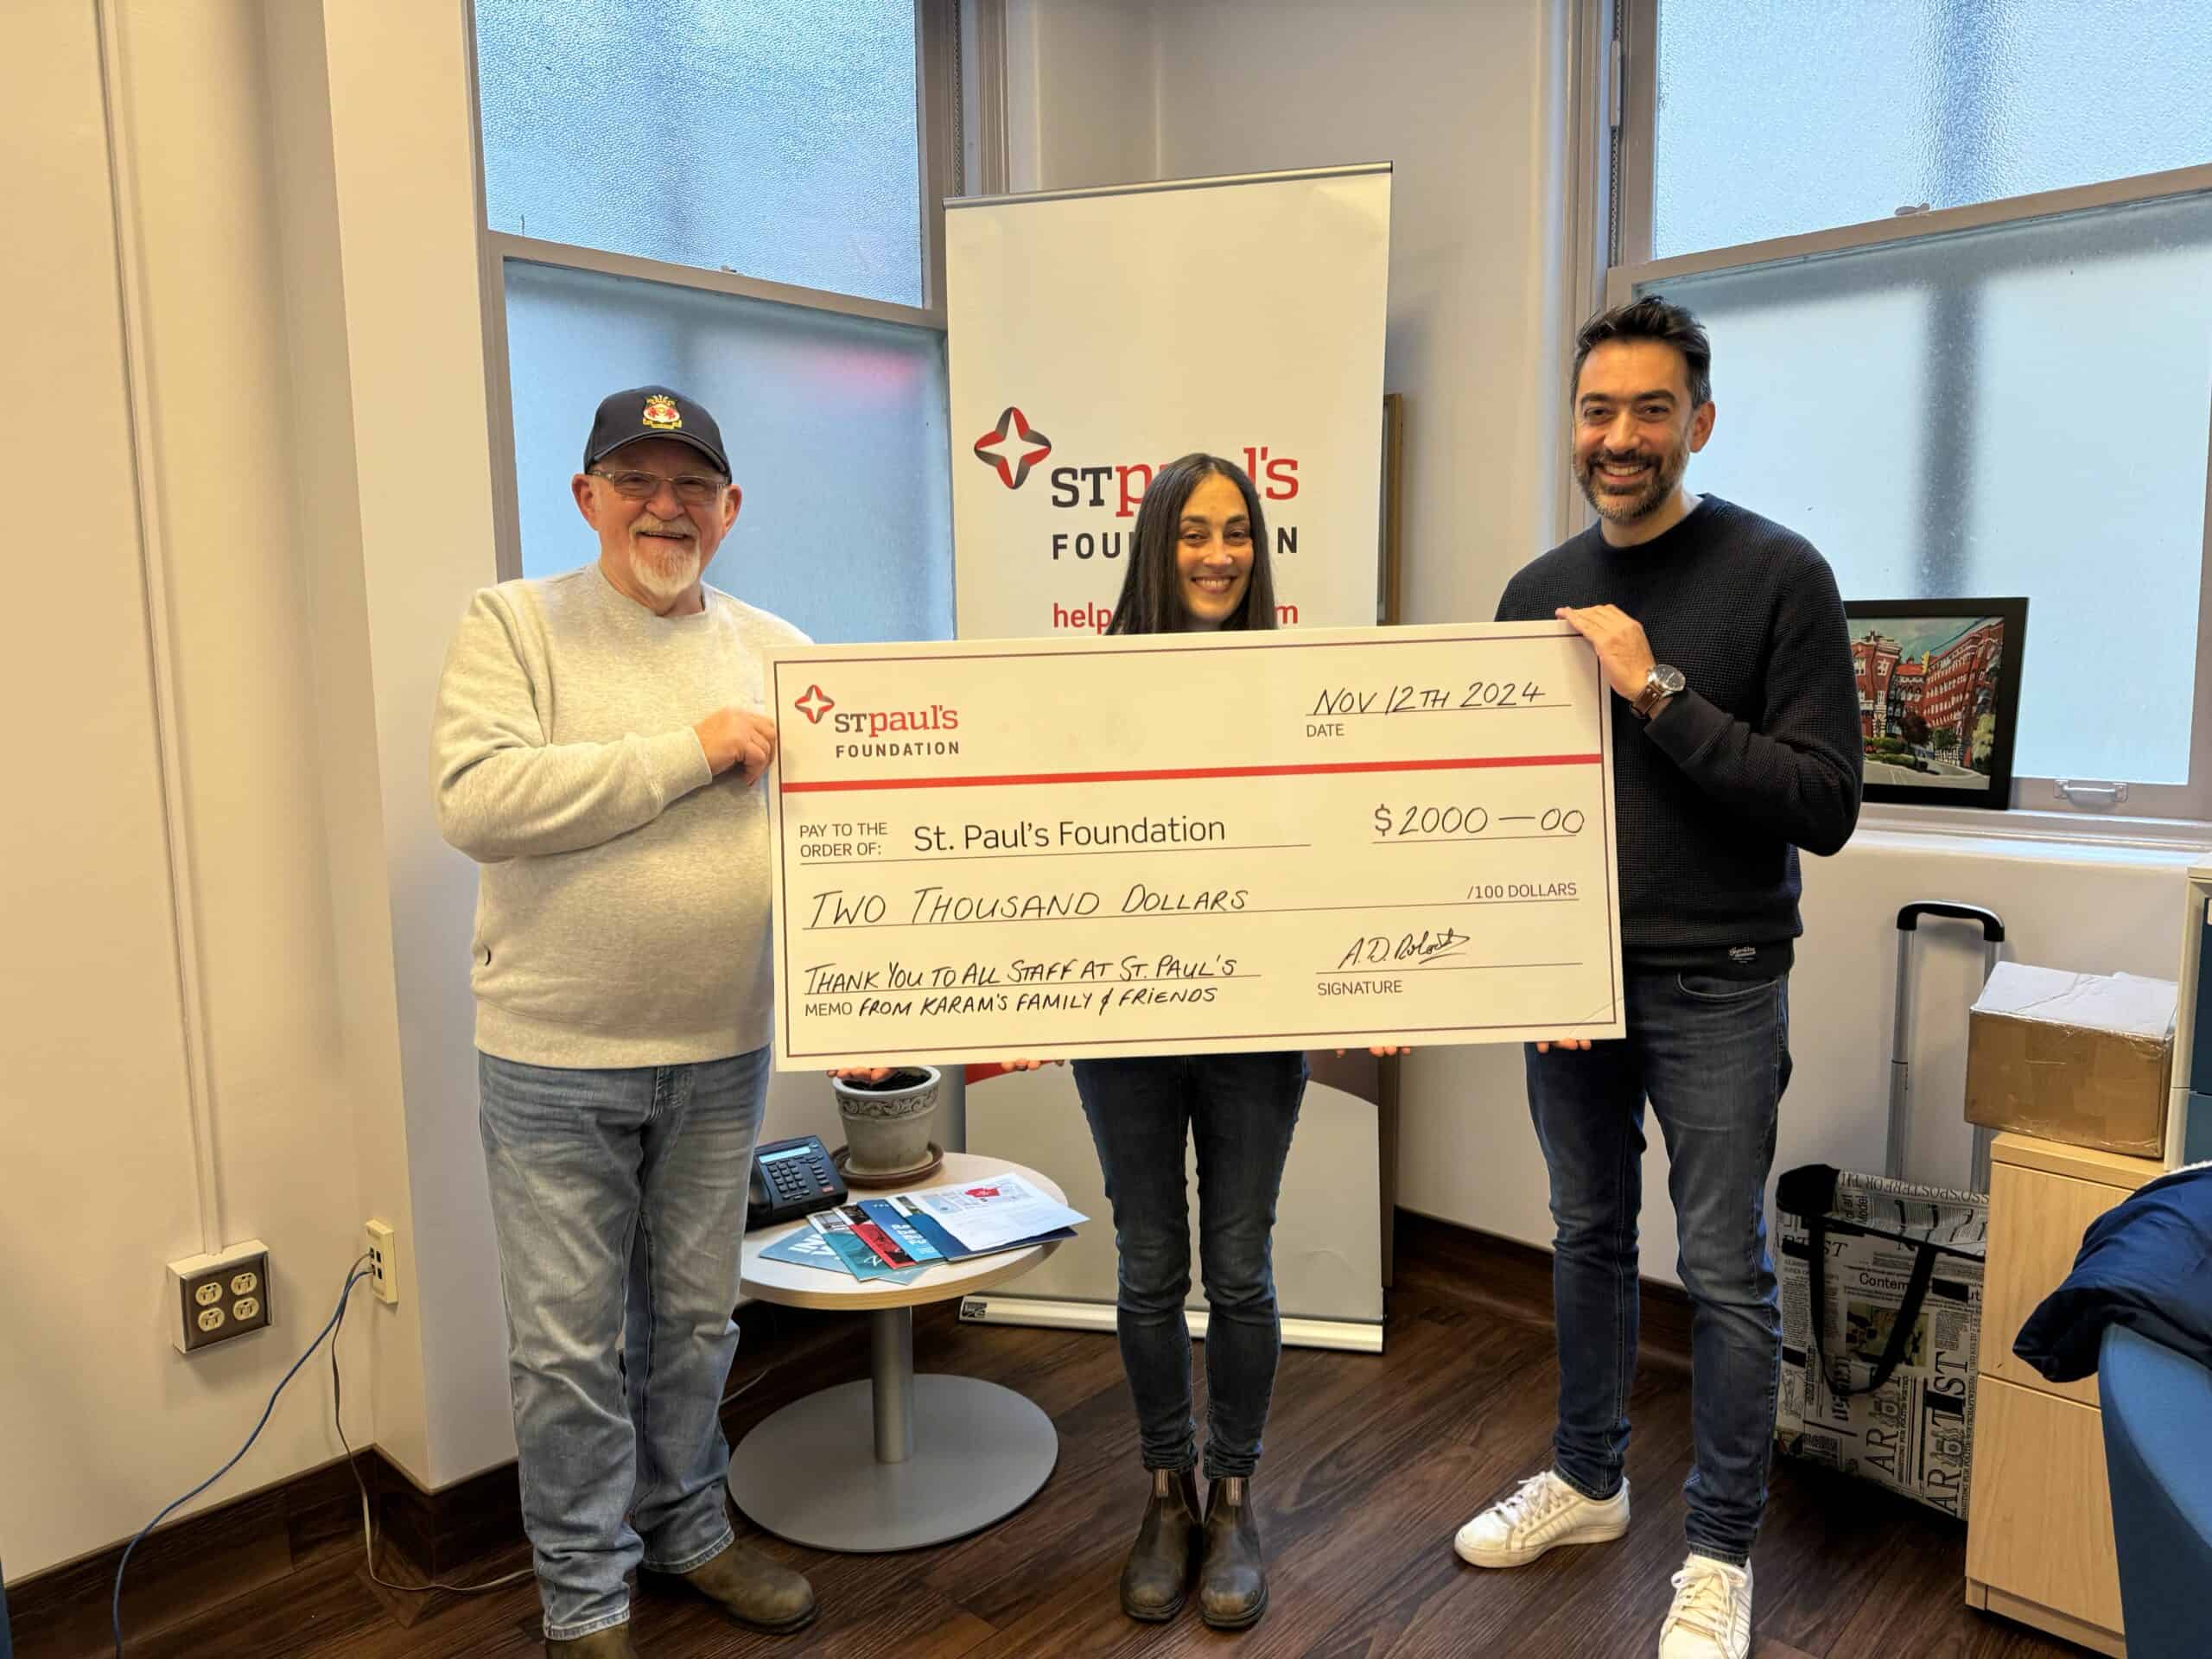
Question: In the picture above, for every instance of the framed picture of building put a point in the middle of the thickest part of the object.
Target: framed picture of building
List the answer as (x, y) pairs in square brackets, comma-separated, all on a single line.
[(1939, 693)]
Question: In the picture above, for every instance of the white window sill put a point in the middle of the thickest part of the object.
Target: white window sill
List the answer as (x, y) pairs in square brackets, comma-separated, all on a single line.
[(2026, 833)]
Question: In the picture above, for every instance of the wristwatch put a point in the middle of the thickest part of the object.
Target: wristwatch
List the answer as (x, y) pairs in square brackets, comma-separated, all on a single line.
[(1663, 681)]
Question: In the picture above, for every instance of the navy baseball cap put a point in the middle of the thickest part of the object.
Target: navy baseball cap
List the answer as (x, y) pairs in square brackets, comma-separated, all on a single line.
[(653, 412)]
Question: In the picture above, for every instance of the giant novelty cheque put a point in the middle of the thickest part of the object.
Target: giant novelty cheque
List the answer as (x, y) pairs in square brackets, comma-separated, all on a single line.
[(1178, 844)]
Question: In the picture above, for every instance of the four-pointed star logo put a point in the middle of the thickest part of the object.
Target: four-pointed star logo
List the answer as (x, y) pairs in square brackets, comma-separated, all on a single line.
[(815, 704), (1012, 446)]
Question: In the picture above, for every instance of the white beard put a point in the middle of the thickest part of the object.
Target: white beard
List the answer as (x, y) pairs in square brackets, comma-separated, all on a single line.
[(667, 577)]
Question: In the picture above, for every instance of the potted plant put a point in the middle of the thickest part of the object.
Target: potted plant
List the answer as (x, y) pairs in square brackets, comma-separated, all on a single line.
[(887, 1122)]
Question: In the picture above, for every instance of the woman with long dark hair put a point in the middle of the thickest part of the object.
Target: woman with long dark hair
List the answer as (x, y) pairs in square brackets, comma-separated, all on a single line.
[(1199, 561), (1198, 555)]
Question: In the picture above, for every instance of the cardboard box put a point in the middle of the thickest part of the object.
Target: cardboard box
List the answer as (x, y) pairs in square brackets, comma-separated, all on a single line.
[(2083, 1059)]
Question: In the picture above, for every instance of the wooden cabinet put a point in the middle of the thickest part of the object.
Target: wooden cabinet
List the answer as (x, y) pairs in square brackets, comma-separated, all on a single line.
[(2039, 1541), (2036, 1223)]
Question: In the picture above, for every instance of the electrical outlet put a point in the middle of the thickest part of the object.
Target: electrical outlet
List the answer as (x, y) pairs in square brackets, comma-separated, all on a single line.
[(382, 1246), (215, 1298)]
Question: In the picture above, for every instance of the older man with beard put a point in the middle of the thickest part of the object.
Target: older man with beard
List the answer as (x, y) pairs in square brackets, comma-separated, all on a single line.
[(1736, 742), (597, 746)]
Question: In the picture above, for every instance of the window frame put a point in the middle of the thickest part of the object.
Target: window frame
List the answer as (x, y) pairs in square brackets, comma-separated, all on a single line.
[(2151, 814), (938, 140)]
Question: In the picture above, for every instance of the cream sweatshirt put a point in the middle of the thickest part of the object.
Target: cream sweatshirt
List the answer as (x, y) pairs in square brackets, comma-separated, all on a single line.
[(622, 908)]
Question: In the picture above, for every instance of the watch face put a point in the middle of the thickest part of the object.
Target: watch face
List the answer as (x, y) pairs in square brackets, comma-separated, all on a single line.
[(1670, 679)]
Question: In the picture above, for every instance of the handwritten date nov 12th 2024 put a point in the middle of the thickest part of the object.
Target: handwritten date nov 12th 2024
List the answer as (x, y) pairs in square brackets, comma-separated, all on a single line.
[(1333, 708)]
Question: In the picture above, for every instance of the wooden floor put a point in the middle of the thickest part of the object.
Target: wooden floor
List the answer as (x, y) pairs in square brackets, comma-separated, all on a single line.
[(1372, 1464)]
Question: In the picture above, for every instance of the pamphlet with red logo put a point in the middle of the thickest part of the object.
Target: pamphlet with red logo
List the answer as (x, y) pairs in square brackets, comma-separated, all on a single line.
[(887, 1214), (806, 1247), (853, 1250), (874, 1238)]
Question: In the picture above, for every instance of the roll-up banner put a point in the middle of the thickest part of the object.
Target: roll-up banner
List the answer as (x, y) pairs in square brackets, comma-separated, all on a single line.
[(1092, 336)]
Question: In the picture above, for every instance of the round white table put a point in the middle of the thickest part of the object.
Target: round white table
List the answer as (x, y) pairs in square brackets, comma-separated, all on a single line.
[(898, 1461)]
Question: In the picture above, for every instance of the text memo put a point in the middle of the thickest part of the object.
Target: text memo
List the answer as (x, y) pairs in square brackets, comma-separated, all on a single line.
[(1050, 849)]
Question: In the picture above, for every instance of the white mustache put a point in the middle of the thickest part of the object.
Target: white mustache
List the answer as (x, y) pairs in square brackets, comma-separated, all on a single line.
[(648, 525)]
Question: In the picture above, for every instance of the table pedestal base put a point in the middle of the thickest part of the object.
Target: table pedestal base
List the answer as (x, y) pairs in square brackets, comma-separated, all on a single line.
[(898, 1462)]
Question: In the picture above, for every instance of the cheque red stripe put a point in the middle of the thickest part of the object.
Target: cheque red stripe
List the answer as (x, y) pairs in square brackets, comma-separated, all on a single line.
[(1313, 769)]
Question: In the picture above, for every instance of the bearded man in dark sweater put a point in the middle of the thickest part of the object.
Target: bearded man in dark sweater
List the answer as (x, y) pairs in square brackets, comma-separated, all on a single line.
[(1736, 742)]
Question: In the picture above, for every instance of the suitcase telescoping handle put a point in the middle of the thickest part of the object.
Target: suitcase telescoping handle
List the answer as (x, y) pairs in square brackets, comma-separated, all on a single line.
[(1993, 925), (1993, 943)]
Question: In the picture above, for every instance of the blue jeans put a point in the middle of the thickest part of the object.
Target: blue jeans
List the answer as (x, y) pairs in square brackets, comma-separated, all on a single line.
[(617, 1198), (1241, 1110), (1712, 1056)]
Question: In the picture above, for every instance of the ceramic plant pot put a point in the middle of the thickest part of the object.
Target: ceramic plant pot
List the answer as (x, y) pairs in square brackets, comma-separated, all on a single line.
[(887, 1124)]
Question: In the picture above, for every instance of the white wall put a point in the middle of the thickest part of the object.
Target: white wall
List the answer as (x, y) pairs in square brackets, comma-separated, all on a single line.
[(101, 1422), (403, 158), (325, 516), (299, 271), (1080, 99)]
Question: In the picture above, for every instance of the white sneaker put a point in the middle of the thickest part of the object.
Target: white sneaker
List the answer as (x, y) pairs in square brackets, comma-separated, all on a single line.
[(1542, 1512), (1712, 1615)]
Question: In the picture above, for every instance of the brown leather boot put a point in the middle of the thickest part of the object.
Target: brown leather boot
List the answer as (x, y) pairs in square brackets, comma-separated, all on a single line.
[(1232, 1577), (1157, 1577), (754, 1591), (612, 1642)]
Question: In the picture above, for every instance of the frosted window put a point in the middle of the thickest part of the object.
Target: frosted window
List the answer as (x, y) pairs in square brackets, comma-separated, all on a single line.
[(1775, 119), (2017, 410), (836, 427), (775, 138)]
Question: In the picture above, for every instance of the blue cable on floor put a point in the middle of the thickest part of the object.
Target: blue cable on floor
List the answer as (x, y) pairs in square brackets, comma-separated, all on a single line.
[(354, 1276)]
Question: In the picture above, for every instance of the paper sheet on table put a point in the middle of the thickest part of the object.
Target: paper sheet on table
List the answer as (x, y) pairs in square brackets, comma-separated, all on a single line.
[(996, 1210)]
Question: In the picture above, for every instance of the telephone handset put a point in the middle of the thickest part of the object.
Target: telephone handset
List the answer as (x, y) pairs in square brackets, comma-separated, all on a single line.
[(791, 1179)]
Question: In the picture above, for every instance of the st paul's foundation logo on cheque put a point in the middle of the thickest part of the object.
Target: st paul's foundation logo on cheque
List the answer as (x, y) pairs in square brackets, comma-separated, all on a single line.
[(817, 704)]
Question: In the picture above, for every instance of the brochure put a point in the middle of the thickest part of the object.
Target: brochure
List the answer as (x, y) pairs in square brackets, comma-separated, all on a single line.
[(865, 1227), (831, 1226), (804, 1247), (886, 1213)]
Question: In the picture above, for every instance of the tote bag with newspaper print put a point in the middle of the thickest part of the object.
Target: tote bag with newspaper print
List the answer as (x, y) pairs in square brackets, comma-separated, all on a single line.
[(1881, 1320)]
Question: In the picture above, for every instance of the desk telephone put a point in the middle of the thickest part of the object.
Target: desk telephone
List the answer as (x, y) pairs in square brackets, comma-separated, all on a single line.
[(791, 1179)]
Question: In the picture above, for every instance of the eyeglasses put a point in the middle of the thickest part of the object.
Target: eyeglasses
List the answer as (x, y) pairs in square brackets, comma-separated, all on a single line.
[(692, 489)]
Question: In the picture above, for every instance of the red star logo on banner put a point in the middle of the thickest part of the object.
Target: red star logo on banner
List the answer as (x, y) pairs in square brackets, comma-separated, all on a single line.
[(815, 704), (1012, 446)]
